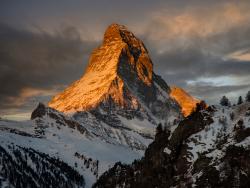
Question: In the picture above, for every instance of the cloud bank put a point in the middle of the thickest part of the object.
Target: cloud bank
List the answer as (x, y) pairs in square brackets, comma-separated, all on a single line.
[(204, 43), (38, 64)]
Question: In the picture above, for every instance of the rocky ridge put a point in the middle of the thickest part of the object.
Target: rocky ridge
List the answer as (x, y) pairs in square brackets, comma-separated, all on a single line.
[(209, 148)]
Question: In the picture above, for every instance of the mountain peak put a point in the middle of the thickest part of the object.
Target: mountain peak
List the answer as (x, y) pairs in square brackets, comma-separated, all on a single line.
[(114, 33), (119, 33), (121, 48), (119, 74)]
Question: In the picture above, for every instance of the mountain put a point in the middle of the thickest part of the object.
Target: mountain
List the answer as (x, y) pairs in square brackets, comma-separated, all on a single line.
[(209, 148), (120, 91), (108, 115), (119, 76), (186, 101)]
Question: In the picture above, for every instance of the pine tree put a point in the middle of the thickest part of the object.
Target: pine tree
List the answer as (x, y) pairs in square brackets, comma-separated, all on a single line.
[(232, 116), (248, 96), (240, 101), (225, 101)]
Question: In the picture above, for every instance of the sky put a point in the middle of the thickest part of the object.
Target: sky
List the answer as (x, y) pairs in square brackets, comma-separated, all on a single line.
[(201, 46)]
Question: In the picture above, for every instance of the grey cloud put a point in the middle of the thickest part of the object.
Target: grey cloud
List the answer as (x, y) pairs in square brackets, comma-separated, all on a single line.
[(38, 60), (214, 93), (205, 56)]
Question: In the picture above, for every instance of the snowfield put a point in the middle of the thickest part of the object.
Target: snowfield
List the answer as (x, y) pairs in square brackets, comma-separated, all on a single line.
[(63, 142)]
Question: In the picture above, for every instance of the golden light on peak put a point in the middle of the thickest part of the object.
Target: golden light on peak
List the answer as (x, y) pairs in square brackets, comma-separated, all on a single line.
[(186, 101)]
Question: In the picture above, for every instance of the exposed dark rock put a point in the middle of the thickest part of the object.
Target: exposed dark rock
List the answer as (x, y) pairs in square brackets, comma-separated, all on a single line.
[(241, 134), (40, 111)]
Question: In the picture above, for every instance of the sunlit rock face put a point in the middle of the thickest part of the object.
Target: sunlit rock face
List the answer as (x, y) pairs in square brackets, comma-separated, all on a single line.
[(119, 75), (186, 101)]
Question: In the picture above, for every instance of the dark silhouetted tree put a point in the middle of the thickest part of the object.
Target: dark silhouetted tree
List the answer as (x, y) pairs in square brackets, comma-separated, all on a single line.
[(159, 129), (232, 116), (240, 101), (225, 101), (201, 106), (248, 96)]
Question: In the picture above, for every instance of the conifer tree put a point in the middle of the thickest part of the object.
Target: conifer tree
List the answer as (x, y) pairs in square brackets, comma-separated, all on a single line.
[(240, 101), (225, 101), (248, 96), (159, 129)]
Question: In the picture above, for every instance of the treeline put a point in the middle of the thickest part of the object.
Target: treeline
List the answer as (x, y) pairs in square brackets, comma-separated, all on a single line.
[(224, 101)]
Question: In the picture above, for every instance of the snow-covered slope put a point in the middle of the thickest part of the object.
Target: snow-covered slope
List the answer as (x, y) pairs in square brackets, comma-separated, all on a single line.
[(209, 148), (60, 137)]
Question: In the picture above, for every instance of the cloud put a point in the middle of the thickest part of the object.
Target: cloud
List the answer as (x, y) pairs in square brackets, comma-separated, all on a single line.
[(34, 63), (189, 21), (205, 42), (28, 93), (216, 92), (242, 55)]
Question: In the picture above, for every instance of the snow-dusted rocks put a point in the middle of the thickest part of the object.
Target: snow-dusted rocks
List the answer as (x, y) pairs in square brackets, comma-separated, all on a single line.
[(209, 148), (166, 150)]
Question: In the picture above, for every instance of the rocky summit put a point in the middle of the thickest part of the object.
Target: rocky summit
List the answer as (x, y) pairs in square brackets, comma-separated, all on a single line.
[(119, 76)]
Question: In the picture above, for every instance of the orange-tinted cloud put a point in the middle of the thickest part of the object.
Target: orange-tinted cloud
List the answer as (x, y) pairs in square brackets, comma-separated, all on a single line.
[(27, 93), (197, 21)]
